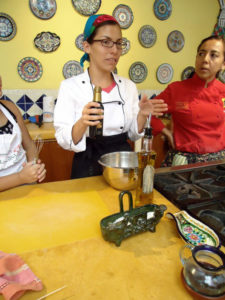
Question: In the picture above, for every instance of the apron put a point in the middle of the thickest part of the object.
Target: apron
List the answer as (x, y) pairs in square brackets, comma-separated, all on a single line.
[(85, 164), (12, 154)]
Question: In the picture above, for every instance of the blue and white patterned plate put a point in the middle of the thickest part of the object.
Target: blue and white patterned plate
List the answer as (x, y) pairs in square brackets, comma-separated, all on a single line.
[(175, 41), (138, 72), (86, 7), (124, 15), (164, 73), (72, 68), (30, 69), (147, 36), (162, 9), (222, 76), (43, 9), (7, 27), (47, 41), (187, 72), (79, 42), (127, 48)]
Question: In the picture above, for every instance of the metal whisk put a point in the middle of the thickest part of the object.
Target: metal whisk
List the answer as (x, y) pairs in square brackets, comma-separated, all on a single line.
[(39, 142)]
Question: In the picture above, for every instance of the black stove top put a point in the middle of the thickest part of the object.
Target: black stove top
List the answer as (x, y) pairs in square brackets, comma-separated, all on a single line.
[(201, 192)]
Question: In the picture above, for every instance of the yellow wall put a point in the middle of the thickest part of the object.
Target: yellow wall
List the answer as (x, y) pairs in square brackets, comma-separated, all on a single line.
[(194, 18)]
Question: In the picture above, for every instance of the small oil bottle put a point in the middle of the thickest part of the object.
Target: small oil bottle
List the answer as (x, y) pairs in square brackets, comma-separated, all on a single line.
[(98, 129), (146, 163)]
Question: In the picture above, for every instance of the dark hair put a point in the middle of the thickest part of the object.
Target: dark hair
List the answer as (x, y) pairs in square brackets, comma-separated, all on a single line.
[(92, 36), (213, 37)]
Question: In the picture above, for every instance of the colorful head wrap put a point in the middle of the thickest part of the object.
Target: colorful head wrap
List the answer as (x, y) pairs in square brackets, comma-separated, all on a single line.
[(92, 23)]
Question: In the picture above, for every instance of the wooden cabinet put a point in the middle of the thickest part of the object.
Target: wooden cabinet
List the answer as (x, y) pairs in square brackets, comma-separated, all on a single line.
[(58, 162)]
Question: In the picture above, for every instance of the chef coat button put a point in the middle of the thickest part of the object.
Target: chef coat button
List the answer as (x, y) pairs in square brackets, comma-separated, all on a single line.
[(83, 81), (119, 80), (121, 127), (119, 103)]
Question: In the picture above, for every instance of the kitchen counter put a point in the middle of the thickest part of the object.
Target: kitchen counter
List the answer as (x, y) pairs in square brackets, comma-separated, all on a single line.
[(46, 131), (55, 228)]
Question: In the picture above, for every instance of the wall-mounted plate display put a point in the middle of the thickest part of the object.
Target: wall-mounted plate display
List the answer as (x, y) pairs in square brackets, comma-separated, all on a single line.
[(30, 69), (138, 72), (162, 9), (79, 41), (47, 41), (175, 41), (164, 73), (7, 27), (87, 7), (127, 48), (72, 68), (147, 36), (187, 72), (43, 9), (222, 76), (124, 15)]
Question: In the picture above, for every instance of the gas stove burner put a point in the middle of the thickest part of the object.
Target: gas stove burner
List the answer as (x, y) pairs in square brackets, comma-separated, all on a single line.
[(187, 191), (213, 187), (214, 219)]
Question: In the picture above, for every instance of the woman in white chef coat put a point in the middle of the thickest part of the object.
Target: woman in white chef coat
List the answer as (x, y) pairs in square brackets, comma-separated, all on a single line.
[(124, 115)]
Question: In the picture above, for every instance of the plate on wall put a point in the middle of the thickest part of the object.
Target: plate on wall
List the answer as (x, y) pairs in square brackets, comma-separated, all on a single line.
[(86, 7), (47, 41), (164, 73), (187, 72), (43, 9), (79, 42), (147, 36), (7, 27), (175, 41), (138, 72), (162, 9), (127, 48), (30, 69), (222, 76), (72, 68), (124, 15)]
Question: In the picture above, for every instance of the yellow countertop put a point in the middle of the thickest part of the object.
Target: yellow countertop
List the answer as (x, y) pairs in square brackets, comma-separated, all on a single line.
[(55, 228), (46, 131)]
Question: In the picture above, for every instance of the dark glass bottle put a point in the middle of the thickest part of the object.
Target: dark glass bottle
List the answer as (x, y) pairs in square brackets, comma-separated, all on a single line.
[(146, 162), (97, 130)]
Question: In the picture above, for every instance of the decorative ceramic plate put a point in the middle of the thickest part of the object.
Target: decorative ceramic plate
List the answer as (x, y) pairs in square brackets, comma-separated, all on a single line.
[(43, 9), (193, 231), (124, 15), (7, 27), (79, 42), (222, 76), (87, 7), (162, 9), (164, 73), (47, 41), (175, 41), (138, 72), (187, 72), (30, 69), (72, 68), (147, 36), (127, 48)]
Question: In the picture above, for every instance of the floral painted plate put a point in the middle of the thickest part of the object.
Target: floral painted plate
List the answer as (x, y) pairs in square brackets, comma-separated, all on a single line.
[(193, 231), (127, 48), (47, 41), (7, 27), (124, 15), (79, 41), (72, 68), (162, 9), (43, 9), (164, 73), (138, 72), (30, 69), (147, 36), (86, 7), (187, 72), (175, 41)]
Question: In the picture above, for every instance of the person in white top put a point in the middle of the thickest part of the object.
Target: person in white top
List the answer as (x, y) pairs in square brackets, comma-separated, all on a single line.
[(17, 150), (124, 115)]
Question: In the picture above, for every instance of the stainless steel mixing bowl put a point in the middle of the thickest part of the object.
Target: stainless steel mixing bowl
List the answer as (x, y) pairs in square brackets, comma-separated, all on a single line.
[(120, 169)]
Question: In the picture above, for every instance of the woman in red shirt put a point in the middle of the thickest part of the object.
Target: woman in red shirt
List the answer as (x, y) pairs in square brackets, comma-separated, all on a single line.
[(196, 106)]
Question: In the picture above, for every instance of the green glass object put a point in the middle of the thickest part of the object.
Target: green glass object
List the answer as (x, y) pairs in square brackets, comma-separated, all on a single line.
[(120, 226)]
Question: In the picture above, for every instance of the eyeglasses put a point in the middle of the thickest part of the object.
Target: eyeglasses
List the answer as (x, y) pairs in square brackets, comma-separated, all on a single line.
[(109, 43)]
